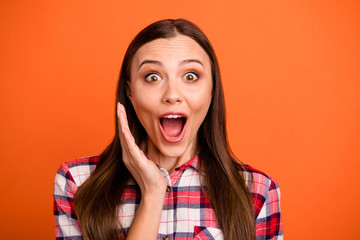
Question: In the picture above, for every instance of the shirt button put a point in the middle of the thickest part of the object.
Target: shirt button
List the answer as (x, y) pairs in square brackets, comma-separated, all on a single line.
[(168, 189), (165, 237)]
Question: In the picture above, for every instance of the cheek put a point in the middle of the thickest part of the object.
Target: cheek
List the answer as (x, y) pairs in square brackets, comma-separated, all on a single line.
[(144, 106), (200, 105), (203, 97)]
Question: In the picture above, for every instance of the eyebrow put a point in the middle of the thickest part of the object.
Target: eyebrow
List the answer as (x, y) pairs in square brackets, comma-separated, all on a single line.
[(150, 62), (186, 61), (191, 61)]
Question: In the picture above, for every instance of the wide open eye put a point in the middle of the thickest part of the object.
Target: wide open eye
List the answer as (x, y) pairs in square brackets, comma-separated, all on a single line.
[(153, 77), (191, 76)]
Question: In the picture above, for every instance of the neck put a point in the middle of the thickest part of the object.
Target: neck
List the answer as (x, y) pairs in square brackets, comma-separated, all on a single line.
[(170, 161)]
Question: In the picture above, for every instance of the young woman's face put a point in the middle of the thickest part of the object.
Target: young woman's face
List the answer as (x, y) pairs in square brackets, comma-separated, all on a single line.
[(170, 89)]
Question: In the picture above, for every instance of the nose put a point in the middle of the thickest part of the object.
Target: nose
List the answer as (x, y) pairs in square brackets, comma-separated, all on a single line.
[(172, 92)]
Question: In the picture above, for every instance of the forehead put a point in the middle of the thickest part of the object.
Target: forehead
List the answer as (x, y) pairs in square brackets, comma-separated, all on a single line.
[(179, 48)]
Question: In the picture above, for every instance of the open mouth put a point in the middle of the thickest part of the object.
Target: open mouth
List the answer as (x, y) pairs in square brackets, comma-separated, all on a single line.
[(172, 127)]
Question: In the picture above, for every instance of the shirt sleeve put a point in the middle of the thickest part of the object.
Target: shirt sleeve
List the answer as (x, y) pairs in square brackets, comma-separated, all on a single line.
[(66, 224), (268, 221)]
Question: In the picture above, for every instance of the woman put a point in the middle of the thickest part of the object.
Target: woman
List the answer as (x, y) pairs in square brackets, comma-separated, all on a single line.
[(169, 172)]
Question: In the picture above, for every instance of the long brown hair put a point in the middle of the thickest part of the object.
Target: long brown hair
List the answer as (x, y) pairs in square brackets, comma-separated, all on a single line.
[(98, 198)]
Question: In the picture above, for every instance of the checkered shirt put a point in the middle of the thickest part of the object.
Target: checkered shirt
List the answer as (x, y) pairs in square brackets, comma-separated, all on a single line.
[(187, 213)]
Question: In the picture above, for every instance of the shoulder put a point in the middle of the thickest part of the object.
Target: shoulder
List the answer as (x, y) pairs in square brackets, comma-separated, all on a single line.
[(263, 188), (265, 193), (67, 180), (260, 181), (77, 170), (256, 177)]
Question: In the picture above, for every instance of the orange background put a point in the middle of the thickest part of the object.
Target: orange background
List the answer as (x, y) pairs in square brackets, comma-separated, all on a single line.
[(291, 76)]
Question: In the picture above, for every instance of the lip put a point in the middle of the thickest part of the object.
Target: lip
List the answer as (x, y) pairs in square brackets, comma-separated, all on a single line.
[(181, 135)]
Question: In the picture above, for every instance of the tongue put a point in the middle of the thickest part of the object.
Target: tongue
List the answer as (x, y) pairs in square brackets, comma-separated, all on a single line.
[(172, 126)]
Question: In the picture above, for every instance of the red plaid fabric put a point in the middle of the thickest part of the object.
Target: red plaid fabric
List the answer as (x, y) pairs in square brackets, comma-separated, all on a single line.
[(187, 213)]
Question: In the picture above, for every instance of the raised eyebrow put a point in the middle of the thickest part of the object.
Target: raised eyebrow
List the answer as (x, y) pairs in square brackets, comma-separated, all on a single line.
[(181, 63), (191, 61), (150, 62)]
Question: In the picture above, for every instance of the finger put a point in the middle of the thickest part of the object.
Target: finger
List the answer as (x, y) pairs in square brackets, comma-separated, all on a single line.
[(118, 108), (127, 139), (132, 147), (125, 122), (121, 116)]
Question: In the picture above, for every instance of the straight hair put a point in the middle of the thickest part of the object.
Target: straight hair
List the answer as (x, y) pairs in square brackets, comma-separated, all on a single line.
[(97, 200)]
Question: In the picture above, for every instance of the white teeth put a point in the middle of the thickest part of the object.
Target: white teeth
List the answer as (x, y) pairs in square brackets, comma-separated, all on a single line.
[(172, 116)]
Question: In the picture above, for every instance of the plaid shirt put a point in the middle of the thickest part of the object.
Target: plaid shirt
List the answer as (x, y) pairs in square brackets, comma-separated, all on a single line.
[(186, 214)]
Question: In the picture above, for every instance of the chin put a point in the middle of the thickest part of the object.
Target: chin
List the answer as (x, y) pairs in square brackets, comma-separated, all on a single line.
[(173, 151), (182, 149)]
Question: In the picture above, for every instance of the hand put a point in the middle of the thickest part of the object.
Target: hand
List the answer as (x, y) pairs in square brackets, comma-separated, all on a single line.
[(145, 172)]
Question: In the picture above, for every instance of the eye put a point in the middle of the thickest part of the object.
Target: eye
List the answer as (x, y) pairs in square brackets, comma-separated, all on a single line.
[(153, 77), (191, 76)]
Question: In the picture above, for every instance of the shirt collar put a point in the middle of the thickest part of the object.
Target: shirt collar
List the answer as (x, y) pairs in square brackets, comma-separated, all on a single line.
[(193, 162)]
